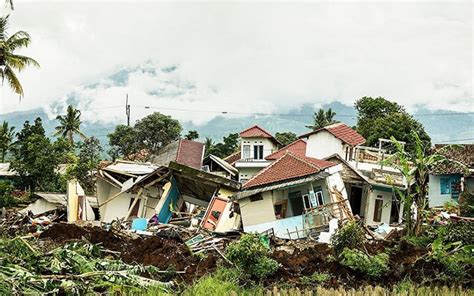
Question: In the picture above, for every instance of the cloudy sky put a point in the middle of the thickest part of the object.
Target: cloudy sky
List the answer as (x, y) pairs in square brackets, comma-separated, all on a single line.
[(244, 57)]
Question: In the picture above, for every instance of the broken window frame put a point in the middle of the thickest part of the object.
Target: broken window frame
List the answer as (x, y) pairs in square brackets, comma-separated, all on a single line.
[(378, 209)]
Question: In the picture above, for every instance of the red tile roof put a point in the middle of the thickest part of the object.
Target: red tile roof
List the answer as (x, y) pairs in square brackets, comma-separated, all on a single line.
[(190, 153), (231, 159), (342, 132), (289, 166), (255, 132), (298, 147)]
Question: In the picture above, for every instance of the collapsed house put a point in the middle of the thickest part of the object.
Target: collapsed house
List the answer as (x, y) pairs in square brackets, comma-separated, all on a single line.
[(293, 197), (449, 179), (173, 189)]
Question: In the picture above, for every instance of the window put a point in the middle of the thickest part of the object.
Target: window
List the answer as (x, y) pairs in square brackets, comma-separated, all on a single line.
[(280, 209), (320, 198), (378, 209), (296, 203), (256, 197), (258, 152), (246, 151)]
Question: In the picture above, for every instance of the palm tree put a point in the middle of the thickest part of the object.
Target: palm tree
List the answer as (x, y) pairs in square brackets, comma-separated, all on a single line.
[(10, 61), (322, 118), (6, 139), (69, 124)]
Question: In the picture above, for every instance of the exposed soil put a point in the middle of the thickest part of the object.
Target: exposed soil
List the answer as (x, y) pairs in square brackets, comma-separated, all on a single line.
[(162, 252), (406, 261)]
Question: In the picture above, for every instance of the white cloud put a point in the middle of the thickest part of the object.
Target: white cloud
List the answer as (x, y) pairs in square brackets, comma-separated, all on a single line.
[(246, 57)]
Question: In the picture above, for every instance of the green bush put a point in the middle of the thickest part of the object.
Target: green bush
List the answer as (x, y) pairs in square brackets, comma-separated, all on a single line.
[(315, 279), (251, 256), (455, 258), (351, 236), (466, 204), (372, 266), (462, 231), (6, 198)]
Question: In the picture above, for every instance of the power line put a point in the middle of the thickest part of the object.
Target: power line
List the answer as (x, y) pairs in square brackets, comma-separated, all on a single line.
[(456, 140), (281, 114)]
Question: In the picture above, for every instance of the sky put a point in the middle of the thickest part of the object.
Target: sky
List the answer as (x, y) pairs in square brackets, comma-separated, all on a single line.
[(242, 56)]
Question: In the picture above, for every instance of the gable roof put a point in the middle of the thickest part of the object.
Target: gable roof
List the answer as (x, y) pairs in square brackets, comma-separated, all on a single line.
[(298, 147), (462, 156), (341, 131), (289, 166), (231, 159), (183, 151), (224, 165), (258, 132)]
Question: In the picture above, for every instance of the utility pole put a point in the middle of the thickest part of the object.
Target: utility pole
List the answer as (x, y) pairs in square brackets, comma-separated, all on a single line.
[(127, 111)]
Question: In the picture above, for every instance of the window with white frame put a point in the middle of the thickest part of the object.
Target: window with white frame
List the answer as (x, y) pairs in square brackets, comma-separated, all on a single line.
[(258, 152), (246, 151)]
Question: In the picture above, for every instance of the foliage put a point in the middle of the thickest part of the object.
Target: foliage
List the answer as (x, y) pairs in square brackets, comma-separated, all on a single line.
[(192, 135), (69, 124), (372, 266), (466, 203), (7, 135), (251, 256), (455, 258), (87, 161), (316, 278), (6, 197), (322, 118), (379, 118), (221, 282), (36, 158), (462, 231), (150, 133), (229, 145), (286, 138), (9, 59), (451, 207), (351, 236), (414, 166), (75, 268)]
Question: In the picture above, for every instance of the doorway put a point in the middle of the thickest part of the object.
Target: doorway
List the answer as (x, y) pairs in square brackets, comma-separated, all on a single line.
[(356, 199)]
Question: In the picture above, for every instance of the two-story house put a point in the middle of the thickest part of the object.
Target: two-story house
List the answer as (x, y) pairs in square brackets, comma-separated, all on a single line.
[(329, 140), (255, 145)]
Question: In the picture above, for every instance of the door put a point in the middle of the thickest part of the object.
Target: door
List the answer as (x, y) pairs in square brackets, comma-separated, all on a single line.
[(356, 199)]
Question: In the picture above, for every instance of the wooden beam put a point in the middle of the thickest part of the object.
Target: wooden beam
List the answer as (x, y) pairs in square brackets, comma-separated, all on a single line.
[(161, 178), (133, 204), (113, 179), (111, 198)]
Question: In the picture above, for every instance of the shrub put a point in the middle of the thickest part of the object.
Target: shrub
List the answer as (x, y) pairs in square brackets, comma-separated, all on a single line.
[(462, 231), (351, 236), (372, 266), (251, 256), (466, 204), (315, 279), (6, 195), (455, 258)]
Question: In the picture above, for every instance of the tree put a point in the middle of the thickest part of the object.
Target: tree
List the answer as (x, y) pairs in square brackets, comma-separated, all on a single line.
[(36, 158), (6, 138), (286, 138), (379, 118), (322, 118), (9, 61), (150, 133), (209, 145), (229, 145), (192, 135), (88, 161), (123, 140), (157, 130), (415, 165), (69, 124)]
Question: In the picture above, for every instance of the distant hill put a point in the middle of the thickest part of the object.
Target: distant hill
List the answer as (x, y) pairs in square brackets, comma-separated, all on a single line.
[(441, 127)]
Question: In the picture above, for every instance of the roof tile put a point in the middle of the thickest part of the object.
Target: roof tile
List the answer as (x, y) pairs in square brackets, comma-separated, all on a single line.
[(190, 153), (342, 132), (298, 147)]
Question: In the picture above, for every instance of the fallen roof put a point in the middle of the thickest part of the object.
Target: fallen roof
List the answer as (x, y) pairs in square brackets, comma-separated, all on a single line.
[(460, 159), (183, 151), (341, 131), (298, 147), (129, 167), (224, 165), (288, 167), (60, 199)]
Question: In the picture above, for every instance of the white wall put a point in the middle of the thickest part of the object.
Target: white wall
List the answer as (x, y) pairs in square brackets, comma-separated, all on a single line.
[(40, 206), (436, 199), (323, 144), (248, 173), (257, 212), (268, 146), (386, 208)]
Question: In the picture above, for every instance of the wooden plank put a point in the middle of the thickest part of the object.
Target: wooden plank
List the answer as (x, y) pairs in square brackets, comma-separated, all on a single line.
[(133, 204)]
